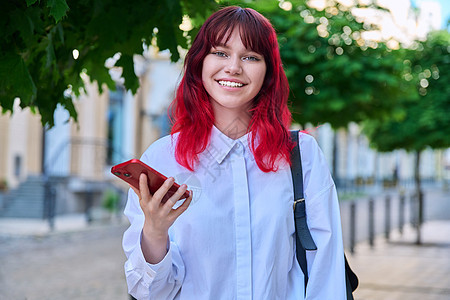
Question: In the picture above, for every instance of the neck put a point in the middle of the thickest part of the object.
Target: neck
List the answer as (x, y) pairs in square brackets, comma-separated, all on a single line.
[(233, 125)]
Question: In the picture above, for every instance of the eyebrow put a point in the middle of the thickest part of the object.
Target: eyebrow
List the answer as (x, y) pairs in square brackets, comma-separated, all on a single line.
[(226, 47)]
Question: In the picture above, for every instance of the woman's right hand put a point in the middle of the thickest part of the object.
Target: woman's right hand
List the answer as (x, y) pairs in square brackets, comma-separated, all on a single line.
[(158, 217)]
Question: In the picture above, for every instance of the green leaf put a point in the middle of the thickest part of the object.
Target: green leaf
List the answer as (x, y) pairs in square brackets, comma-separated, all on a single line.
[(15, 80), (50, 51), (58, 9), (31, 2), (22, 23), (60, 32)]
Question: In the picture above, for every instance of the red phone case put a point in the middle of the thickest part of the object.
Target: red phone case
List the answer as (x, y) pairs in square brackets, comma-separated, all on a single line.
[(130, 171)]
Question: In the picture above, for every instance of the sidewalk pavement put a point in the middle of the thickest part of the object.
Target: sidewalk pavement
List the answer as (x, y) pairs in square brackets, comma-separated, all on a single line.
[(400, 269), (77, 261), (23, 227)]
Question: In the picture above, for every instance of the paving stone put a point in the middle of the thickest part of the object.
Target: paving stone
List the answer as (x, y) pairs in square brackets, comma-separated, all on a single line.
[(70, 265), (400, 269)]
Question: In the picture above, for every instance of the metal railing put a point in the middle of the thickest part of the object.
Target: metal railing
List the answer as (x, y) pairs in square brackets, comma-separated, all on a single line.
[(372, 216)]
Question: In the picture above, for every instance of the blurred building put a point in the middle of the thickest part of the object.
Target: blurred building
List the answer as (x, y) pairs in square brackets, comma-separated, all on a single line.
[(358, 166), (21, 147)]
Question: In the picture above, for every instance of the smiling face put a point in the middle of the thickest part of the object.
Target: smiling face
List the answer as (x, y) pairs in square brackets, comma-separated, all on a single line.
[(232, 76)]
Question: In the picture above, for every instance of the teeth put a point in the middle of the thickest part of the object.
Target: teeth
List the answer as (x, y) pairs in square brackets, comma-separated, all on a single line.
[(230, 83)]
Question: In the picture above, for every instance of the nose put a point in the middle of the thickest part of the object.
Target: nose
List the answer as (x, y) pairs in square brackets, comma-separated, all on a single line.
[(234, 66)]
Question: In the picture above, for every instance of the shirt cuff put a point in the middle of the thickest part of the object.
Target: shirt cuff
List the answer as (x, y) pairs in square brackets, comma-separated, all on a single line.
[(149, 272)]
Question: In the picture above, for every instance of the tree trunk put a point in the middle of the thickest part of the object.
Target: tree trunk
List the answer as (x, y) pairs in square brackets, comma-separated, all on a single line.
[(418, 197)]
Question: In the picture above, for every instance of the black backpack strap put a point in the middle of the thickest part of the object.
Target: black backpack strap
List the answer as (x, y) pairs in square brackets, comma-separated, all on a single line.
[(304, 240), (348, 285), (351, 279)]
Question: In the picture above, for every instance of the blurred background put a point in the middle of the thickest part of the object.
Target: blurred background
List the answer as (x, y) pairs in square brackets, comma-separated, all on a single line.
[(84, 86)]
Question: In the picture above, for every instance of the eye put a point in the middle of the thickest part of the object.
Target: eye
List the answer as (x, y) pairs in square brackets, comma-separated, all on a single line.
[(219, 53), (250, 58)]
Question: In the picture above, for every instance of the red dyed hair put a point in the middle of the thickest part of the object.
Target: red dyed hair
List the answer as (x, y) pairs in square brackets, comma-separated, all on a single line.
[(192, 111)]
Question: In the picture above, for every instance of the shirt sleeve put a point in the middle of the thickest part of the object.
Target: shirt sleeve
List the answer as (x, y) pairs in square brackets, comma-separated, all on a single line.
[(326, 268), (144, 280)]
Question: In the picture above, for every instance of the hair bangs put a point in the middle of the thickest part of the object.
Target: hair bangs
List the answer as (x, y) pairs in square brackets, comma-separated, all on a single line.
[(252, 31)]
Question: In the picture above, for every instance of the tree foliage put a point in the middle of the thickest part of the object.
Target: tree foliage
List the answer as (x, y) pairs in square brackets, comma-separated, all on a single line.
[(38, 38), (425, 121)]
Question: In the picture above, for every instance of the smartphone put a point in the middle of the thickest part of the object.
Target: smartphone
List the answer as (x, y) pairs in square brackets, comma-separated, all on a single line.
[(130, 171)]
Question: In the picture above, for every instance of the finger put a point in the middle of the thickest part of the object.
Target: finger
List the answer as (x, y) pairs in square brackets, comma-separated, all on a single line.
[(143, 188), (175, 213), (174, 198), (163, 189)]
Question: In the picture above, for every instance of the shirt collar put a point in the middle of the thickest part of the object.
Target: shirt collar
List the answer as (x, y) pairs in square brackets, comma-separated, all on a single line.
[(220, 144)]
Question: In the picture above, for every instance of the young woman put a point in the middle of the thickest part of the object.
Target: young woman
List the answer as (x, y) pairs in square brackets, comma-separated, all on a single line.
[(233, 238)]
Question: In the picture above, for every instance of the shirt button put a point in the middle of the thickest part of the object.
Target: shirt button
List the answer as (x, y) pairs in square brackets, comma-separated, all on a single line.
[(239, 148)]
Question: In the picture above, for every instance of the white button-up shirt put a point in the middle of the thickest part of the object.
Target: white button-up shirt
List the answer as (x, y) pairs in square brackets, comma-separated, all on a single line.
[(236, 240)]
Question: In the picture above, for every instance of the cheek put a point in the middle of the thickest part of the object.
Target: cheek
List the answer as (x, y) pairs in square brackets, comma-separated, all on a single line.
[(207, 67), (261, 75)]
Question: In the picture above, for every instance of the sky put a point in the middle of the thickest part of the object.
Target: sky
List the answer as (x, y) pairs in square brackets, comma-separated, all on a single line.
[(445, 11), (445, 5)]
